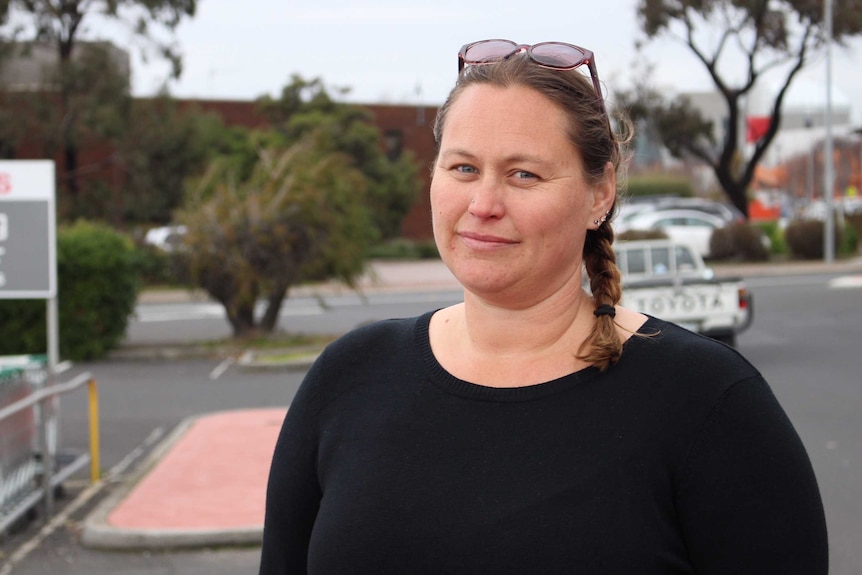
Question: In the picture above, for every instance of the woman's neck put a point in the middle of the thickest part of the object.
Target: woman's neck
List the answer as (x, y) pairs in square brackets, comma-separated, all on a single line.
[(487, 343), (530, 328)]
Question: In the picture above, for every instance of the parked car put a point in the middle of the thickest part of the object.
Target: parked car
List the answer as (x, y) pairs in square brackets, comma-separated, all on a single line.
[(727, 212), (167, 238), (669, 280), (690, 227)]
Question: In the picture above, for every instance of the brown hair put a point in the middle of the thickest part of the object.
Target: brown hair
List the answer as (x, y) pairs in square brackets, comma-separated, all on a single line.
[(588, 130)]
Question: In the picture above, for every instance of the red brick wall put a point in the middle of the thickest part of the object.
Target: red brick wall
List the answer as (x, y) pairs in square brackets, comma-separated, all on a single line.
[(415, 125), (233, 112)]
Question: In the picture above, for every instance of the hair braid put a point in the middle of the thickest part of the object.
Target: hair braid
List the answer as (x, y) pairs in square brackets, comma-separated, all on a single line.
[(603, 346)]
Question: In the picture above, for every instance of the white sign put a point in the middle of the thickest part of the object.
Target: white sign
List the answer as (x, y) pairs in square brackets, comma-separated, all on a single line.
[(28, 239)]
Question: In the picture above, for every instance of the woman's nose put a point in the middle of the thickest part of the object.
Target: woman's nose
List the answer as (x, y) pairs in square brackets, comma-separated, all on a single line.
[(487, 200)]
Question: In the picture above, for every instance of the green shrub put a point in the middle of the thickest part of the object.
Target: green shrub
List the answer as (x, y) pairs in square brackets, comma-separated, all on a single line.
[(659, 185), (405, 249), (427, 250), (157, 267), (634, 235), (773, 231), (153, 264), (97, 288), (740, 241), (805, 239), (850, 240)]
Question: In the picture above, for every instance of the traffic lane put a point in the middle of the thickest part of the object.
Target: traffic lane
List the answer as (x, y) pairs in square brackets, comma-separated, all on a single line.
[(806, 341)]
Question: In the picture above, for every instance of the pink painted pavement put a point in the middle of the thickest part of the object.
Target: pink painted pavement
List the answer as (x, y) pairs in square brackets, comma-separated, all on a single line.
[(213, 477)]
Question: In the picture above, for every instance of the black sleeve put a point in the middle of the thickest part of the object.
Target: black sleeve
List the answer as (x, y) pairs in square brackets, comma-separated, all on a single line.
[(293, 493), (748, 500)]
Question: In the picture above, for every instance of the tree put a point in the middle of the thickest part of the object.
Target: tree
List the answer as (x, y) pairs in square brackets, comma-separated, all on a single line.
[(758, 37), (306, 106), (298, 214), (162, 147), (11, 127), (62, 23), (89, 110), (301, 201)]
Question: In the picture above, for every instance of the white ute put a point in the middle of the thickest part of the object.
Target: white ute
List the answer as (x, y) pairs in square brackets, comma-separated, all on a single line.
[(670, 281)]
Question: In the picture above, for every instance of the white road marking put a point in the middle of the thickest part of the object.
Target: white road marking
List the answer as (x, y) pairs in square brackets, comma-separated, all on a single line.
[(221, 368), (846, 282)]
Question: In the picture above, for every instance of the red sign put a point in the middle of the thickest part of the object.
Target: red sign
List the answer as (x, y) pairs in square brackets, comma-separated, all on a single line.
[(756, 128)]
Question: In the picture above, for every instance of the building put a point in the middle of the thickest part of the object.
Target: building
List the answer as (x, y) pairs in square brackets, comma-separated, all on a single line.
[(29, 68)]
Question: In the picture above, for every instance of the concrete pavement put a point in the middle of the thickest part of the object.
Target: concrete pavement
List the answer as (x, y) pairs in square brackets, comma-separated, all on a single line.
[(205, 485)]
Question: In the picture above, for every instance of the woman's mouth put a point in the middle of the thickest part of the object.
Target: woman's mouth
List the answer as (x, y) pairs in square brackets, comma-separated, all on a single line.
[(481, 241)]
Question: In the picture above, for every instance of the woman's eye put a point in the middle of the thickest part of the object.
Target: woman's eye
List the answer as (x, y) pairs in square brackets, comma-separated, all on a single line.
[(524, 175), (465, 169)]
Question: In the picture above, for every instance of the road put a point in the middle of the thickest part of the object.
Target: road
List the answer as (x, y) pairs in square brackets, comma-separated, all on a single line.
[(805, 339), (156, 324)]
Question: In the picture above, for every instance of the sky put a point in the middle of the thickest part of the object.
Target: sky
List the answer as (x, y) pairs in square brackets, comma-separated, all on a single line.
[(405, 52)]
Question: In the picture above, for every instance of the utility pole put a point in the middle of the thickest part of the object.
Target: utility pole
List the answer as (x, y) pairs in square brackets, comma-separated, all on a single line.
[(809, 172), (828, 159)]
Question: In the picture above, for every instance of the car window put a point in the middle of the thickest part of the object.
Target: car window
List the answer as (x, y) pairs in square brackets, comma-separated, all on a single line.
[(660, 260), (635, 262), (692, 221), (684, 259)]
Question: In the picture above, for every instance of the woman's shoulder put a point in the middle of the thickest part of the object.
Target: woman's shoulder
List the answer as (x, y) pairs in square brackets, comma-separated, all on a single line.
[(674, 352), (369, 355), (388, 332), (373, 345)]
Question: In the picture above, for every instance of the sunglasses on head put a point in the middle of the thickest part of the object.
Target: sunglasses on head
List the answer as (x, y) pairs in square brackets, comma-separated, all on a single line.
[(554, 55)]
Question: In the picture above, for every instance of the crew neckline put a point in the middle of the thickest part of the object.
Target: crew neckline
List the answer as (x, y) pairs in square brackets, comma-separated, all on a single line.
[(442, 379)]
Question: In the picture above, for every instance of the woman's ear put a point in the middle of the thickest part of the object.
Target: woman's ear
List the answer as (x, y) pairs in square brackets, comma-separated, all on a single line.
[(604, 195)]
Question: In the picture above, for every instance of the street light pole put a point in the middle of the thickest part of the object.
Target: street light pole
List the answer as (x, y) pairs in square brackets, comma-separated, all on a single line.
[(809, 172), (828, 159)]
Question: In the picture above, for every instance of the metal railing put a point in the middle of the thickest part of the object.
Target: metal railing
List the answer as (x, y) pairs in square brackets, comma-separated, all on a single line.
[(45, 472)]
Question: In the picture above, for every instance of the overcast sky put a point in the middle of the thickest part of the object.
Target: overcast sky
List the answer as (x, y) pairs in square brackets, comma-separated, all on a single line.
[(398, 51)]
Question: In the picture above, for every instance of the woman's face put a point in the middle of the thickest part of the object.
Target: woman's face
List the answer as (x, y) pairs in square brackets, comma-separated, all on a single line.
[(509, 200)]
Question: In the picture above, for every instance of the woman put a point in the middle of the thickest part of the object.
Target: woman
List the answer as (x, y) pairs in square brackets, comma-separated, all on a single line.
[(535, 428)]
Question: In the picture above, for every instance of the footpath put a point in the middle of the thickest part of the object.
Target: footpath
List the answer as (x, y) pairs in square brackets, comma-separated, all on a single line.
[(205, 484)]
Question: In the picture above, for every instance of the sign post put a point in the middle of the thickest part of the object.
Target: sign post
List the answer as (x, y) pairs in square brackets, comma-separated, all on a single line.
[(28, 268)]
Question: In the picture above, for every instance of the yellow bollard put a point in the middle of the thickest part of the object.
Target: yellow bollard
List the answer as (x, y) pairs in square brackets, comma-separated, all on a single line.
[(94, 430)]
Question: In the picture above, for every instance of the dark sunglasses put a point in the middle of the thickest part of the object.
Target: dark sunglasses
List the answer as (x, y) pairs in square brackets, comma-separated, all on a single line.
[(555, 55)]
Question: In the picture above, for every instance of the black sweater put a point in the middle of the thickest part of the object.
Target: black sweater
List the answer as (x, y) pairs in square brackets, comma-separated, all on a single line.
[(677, 459)]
